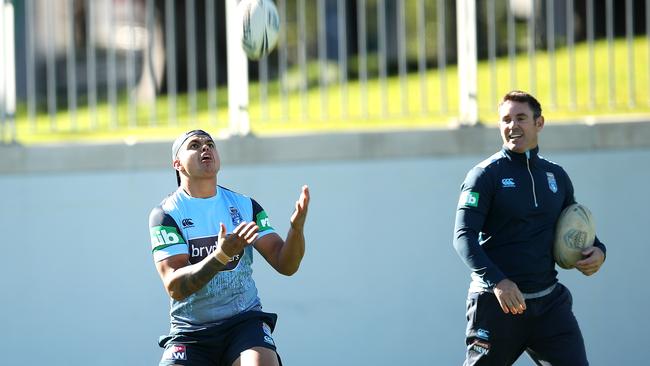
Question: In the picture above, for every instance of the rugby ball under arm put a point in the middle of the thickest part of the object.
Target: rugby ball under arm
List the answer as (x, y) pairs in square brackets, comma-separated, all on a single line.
[(575, 231)]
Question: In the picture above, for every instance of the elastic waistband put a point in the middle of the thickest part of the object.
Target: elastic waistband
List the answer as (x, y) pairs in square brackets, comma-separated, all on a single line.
[(534, 295), (538, 294)]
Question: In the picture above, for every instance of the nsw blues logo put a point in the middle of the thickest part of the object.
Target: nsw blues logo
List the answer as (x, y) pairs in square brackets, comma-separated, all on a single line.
[(552, 184), (235, 216)]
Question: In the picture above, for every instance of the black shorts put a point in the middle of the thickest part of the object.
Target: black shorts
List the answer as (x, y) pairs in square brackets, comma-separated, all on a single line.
[(221, 344), (547, 331)]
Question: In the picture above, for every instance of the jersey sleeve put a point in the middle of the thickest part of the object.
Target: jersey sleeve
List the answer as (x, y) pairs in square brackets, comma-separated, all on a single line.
[(261, 219), (166, 238), (570, 199), (475, 198)]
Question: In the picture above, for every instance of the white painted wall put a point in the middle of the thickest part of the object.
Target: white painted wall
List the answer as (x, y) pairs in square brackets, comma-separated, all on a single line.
[(380, 283)]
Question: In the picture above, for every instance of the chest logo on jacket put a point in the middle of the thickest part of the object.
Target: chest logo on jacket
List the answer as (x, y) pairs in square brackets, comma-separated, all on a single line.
[(552, 184), (508, 183)]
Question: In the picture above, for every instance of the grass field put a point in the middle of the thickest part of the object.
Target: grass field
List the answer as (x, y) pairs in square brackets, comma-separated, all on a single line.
[(412, 102)]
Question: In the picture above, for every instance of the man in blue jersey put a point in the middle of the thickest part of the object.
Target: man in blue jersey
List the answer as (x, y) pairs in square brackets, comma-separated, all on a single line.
[(202, 239), (504, 232)]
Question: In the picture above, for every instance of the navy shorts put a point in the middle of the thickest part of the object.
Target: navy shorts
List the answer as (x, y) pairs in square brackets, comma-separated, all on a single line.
[(221, 344), (547, 330)]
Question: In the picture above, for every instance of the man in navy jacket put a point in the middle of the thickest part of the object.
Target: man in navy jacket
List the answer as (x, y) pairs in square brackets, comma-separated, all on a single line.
[(504, 232)]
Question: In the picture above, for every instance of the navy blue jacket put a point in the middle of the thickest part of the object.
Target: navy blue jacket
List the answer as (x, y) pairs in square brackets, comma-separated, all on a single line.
[(505, 222)]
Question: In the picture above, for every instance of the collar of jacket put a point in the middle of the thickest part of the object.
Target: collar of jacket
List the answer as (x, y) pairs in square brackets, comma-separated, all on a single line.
[(521, 157)]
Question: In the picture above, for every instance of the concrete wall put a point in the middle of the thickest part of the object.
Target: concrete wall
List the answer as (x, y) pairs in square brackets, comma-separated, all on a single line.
[(380, 283)]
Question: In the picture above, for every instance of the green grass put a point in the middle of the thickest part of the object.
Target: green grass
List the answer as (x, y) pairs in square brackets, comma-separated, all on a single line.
[(399, 105)]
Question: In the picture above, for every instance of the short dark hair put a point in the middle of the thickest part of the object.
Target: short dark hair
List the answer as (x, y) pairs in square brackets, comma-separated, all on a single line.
[(523, 97)]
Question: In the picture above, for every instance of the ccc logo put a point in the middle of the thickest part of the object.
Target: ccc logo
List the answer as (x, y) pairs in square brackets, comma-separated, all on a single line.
[(187, 222), (508, 182)]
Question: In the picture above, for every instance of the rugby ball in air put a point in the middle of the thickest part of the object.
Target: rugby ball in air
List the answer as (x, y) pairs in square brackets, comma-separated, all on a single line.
[(260, 27), (575, 231)]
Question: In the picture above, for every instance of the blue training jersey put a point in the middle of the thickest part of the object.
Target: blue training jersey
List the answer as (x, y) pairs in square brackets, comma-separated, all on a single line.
[(182, 224)]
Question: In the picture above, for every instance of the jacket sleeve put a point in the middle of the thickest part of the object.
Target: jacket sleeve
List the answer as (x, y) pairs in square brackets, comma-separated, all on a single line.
[(476, 195), (569, 200)]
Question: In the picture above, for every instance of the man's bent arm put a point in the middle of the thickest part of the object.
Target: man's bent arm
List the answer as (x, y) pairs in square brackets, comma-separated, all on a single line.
[(181, 279), (285, 256)]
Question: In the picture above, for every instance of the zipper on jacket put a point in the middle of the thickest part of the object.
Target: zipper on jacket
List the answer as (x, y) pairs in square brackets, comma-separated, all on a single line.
[(531, 176)]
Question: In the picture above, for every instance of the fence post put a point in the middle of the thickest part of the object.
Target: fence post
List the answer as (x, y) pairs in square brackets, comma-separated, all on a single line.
[(7, 73), (238, 118), (467, 81)]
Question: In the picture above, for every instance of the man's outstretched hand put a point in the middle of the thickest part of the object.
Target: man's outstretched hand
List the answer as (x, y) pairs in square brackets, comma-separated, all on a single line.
[(300, 213)]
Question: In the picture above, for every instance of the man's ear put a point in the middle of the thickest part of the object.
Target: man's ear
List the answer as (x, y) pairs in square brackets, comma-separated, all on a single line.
[(176, 164), (539, 122)]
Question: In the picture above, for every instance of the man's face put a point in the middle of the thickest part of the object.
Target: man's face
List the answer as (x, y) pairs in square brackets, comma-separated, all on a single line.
[(198, 157), (518, 127)]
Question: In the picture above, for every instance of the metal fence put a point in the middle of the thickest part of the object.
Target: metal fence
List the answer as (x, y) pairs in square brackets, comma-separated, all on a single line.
[(72, 69)]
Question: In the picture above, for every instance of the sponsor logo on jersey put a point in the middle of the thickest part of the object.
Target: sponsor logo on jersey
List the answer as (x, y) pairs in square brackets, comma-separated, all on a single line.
[(235, 216), (200, 248), (552, 184), (508, 183), (468, 198), (187, 223), (263, 221), (175, 352), (164, 236)]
